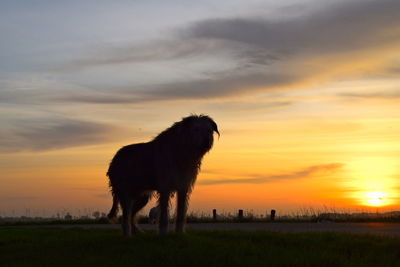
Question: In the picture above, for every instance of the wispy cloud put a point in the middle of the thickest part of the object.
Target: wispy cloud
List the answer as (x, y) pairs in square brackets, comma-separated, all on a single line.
[(338, 27), (224, 57), (343, 26), (156, 50), (323, 169), (52, 133), (263, 54), (388, 95)]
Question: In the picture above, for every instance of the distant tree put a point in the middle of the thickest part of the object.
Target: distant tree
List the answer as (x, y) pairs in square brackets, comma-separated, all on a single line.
[(68, 216), (96, 214)]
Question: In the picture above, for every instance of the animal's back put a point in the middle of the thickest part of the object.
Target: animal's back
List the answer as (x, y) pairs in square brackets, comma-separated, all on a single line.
[(133, 167)]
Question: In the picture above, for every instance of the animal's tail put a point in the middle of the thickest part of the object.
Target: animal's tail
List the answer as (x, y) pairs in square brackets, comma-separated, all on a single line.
[(112, 215)]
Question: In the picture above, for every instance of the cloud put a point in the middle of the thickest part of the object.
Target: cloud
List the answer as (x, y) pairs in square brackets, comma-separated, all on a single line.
[(385, 95), (226, 57), (206, 88), (52, 133), (336, 27), (311, 171), (238, 108), (260, 54), (219, 87), (156, 50)]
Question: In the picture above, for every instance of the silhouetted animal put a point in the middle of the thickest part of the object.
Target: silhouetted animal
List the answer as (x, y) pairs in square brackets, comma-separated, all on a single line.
[(167, 164)]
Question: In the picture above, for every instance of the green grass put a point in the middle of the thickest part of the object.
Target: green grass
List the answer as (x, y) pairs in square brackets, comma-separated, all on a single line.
[(37, 246)]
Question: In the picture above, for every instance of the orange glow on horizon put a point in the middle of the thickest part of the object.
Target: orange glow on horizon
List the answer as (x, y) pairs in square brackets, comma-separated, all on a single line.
[(288, 164)]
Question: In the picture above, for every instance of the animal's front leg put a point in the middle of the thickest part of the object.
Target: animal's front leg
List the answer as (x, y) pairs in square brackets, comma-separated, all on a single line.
[(126, 216), (163, 220), (181, 209)]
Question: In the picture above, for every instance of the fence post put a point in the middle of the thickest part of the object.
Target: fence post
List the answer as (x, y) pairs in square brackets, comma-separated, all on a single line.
[(273, 215), (214, 214), (240, 215)]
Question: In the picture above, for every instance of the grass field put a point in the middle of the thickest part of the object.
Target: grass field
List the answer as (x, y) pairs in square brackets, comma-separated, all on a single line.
[(36, 246)]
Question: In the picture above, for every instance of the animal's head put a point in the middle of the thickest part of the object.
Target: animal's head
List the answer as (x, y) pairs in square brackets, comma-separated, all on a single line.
[(199, 130)]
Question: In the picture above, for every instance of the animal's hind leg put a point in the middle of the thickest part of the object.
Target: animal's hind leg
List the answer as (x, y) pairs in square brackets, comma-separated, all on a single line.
[(126, 204), (181, 208), (163, 204), (112, 215), (138, 204)]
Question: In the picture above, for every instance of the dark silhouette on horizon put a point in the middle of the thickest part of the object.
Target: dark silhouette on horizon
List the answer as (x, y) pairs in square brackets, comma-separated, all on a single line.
[(167, 164)]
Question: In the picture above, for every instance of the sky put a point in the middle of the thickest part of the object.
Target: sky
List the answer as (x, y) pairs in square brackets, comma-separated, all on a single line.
[(305, 93)]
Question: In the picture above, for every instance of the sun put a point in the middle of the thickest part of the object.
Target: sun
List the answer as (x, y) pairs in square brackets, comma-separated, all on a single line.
[(375, 199), (374, 182)]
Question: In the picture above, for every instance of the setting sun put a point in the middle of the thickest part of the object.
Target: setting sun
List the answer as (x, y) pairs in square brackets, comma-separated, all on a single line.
[(373, 180), (375, 199)]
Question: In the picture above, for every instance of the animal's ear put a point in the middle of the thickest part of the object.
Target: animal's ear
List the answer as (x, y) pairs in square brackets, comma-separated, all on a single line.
[(214, 127)]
